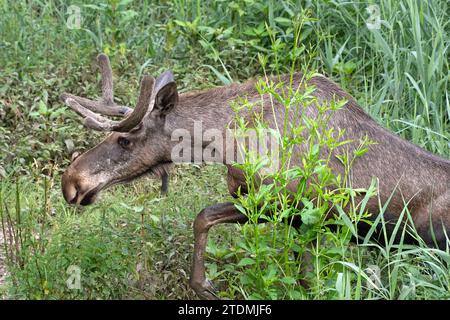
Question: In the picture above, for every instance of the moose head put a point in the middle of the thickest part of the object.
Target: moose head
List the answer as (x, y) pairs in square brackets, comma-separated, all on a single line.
[(137, 144)]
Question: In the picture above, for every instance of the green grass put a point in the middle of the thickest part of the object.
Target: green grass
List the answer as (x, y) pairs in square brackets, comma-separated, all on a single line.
[(134, 244)]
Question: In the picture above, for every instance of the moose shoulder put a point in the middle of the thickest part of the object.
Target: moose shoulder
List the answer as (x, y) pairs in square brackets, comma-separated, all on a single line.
[(142, 143)]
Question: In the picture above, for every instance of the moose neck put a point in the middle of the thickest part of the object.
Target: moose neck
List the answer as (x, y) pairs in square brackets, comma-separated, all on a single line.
[(201, 112), (210, 108)]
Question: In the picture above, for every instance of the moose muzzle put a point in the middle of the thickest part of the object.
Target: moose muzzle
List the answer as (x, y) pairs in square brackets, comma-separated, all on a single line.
[(78, 189)]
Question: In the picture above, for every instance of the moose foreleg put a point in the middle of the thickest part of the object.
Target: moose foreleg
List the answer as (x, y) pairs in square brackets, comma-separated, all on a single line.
[(208, 217), (164, 182)]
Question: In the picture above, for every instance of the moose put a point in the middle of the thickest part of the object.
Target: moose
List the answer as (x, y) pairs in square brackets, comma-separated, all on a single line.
[(141, 143)]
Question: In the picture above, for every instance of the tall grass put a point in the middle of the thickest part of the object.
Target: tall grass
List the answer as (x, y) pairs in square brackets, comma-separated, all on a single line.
[(402, 68)]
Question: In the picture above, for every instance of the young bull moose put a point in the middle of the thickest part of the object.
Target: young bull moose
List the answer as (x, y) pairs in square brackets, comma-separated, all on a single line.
[(142, 143)]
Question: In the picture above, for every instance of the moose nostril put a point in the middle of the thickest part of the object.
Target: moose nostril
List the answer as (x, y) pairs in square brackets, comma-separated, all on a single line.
[(70, 188), (74, 199)]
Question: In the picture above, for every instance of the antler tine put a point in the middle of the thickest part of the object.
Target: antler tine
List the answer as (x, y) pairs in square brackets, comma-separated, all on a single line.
[(107, 79), (91, 119), (97, 122), (106, 104), (142, 105), (97, 106)]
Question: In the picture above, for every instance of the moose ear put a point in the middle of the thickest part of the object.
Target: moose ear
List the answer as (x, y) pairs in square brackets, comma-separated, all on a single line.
[(166, 94)]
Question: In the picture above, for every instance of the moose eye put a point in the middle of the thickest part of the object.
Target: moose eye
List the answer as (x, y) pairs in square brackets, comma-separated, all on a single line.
[(123, 142)]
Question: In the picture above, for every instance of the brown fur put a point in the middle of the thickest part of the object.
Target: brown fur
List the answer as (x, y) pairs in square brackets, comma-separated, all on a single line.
[(413, 175)]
